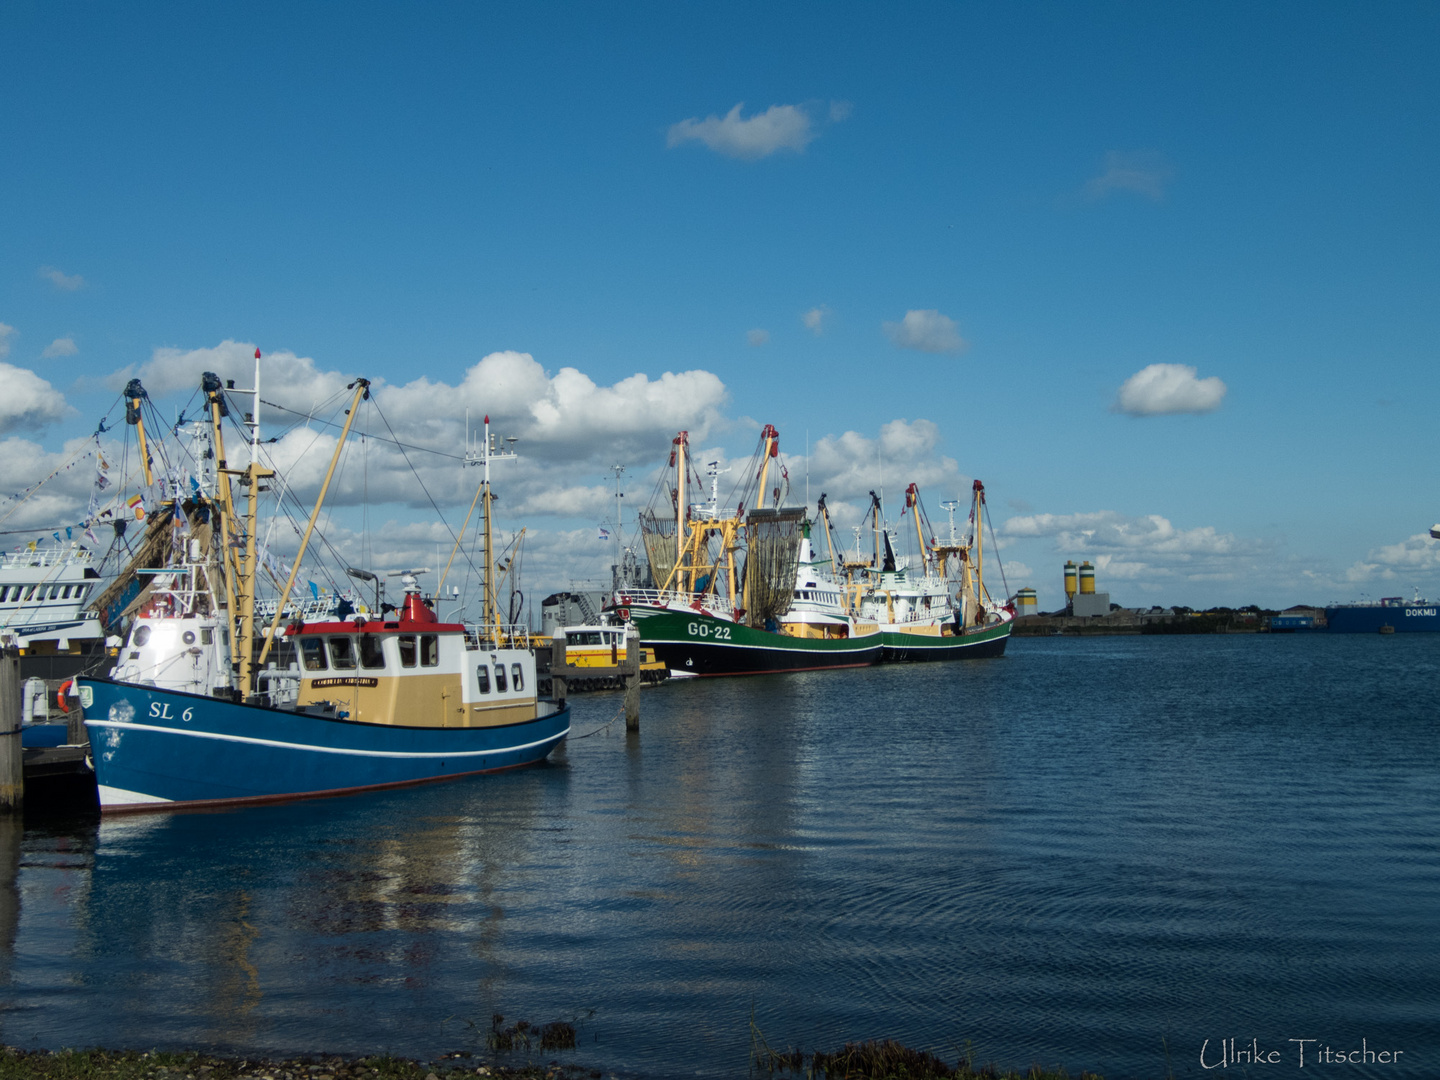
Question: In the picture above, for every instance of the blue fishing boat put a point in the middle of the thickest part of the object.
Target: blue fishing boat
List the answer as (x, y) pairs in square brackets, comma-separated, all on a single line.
[(379, 699)]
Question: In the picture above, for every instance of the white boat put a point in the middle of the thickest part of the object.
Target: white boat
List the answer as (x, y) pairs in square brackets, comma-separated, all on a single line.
[(43, 590)]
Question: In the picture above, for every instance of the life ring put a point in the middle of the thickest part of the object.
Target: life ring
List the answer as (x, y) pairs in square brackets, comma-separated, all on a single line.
[(62, 694)]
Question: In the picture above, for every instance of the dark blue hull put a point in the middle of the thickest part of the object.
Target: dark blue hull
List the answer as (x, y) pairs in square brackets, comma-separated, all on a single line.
[(155, 748), (1406, 618)]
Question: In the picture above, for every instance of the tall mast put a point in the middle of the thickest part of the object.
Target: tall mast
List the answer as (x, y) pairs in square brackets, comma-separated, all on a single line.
[(250, 478), (488, 451), (619, 530), (682, 442), (979, 539)]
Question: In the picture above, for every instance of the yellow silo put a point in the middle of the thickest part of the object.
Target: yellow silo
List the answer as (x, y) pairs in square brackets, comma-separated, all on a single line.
[(1069, 580), (1025, 602), (1087, 579)]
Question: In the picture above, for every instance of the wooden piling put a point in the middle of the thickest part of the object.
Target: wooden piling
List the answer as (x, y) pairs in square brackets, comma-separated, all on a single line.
[(75, 732), (12, 757), (630, 675), (557, 669)]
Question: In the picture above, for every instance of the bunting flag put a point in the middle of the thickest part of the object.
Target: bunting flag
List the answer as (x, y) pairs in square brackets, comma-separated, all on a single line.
[(314, 591), (604, 533)]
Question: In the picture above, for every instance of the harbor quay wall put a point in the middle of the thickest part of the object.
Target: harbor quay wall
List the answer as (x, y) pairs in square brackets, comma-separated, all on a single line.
[(1129, 622)]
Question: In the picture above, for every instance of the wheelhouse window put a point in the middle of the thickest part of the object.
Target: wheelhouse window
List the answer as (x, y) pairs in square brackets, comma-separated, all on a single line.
[(140, 637), (312, 650), (482, 676), (407, 650), (4, 593), (207, 635), (429, 650), (517, 677), (65, 593), (372, 652), (500, 678), (342, 653), (30, 593)]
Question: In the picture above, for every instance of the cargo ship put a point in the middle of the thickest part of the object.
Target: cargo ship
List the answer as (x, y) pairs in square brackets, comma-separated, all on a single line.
[(1391, 614)]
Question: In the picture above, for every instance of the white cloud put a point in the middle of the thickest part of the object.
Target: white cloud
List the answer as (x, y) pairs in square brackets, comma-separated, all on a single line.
[(29, 402), (64, 346), (840, 110), (290, 380), (814, 319), (63, 499), (847, 467), (61, 280), (566, 423), (1419, 554), (566, 416), (6, 332), (926, 331), (1142, 172), (1106, 529), (781, 127), (1161, 389), (756, 338)]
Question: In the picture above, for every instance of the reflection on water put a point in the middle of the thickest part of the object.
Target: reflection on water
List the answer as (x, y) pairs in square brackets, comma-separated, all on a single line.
[(1064, 856)]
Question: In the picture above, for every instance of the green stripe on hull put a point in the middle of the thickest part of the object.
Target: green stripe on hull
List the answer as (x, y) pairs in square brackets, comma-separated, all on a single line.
[(698, 645), (902, 647)]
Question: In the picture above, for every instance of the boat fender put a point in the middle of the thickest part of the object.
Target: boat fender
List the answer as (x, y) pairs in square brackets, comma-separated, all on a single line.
[(62, 694)]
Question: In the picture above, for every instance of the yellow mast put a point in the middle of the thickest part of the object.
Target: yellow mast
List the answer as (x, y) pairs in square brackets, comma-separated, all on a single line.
[(490, 602), (912, 500), (225, 508), (362, 390), (134, 395)]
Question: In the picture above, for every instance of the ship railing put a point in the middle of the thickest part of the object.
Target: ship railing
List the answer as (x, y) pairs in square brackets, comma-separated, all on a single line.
[(671, 598), (509, 635), (46, 556)]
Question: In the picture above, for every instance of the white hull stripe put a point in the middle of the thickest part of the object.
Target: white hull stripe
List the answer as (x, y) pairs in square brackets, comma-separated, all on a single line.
[(859, 644), (450, 755), (114, 796)]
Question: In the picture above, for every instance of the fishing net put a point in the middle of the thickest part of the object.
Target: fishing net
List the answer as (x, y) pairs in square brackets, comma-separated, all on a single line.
[(659, 536), (772, 557)]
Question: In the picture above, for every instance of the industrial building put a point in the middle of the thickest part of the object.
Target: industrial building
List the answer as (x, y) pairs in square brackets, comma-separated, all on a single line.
[(1084, 601)]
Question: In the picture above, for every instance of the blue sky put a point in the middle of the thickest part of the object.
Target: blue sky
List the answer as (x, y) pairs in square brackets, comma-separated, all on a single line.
[(956, 232)]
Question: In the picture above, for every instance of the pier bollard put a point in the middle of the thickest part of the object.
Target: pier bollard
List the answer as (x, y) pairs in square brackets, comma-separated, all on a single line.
[(631, 678), (557, 669), (12, 756)]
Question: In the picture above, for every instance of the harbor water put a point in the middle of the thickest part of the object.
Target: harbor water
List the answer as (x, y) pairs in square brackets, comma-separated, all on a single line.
[(1113, 854)]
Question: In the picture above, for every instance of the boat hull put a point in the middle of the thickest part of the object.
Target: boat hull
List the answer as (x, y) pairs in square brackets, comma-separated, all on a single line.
[(1406, 618), (154, 749), (694, 645), (900, 647)]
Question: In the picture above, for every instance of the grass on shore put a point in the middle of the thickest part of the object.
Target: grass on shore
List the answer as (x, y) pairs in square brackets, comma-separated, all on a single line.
[(156, 1065), (883, 1060)]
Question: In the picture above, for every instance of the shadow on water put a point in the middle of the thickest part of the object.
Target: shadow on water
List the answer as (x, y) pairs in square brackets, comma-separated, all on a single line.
[(1063, 856)]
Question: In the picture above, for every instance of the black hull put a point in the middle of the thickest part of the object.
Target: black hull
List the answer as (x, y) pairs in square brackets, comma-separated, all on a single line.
[(703, 660), (980, 650)]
